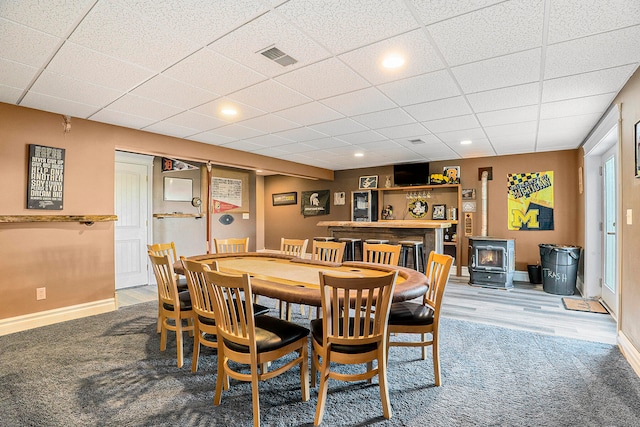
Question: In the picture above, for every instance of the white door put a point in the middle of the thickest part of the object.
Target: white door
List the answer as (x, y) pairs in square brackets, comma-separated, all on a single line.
[(610, 234), (131, 228)]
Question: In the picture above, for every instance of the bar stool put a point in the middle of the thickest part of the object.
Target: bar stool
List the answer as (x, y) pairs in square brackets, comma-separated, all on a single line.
[(415, 248), (324, 239), (350, 248), (377, 241)]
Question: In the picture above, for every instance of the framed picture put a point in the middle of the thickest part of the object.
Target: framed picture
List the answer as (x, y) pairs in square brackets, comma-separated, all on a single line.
[(439, 212), (452, 173), (282, 199), (178, 189), (637, 150), (468, 194), (368, 182), (339, 198)]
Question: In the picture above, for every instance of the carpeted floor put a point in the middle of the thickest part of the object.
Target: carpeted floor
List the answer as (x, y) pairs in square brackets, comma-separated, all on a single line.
[(107, 370)]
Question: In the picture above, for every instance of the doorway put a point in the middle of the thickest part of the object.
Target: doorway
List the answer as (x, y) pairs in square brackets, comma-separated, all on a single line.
[(609, 233), (132, 206)]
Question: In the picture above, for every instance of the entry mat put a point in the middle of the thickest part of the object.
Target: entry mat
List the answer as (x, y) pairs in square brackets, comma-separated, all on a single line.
[(578, 304)]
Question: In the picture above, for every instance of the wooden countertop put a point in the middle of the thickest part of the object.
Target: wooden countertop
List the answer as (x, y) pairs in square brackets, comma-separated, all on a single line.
[(397, 223)]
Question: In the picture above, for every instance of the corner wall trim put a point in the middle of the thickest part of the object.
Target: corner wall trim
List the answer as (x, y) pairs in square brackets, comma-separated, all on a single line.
[(629, 352), (49, 317)]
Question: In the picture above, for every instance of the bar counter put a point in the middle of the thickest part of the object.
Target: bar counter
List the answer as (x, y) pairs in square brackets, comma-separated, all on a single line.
[(430, 232)]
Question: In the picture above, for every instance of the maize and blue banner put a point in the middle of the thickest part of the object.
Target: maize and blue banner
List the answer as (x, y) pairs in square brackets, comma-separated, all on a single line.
[(530, 201)]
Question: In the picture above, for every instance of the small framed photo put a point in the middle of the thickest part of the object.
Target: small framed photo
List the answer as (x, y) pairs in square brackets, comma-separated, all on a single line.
[(468, 194), (368, 182), (439, 212), (452, 173), (282, 199), (637, 150)]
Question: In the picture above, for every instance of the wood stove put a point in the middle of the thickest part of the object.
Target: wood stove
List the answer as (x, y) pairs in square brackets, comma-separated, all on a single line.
[(492, 262)]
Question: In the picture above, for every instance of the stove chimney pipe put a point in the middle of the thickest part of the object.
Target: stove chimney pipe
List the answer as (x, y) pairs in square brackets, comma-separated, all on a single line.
[(485, 176)]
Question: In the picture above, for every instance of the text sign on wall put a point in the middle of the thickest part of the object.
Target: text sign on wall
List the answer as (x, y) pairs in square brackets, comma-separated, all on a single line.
[(226, 194), (46, 177)]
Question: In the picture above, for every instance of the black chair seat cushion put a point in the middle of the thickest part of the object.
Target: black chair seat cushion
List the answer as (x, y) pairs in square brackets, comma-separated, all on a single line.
[(316, 333), (185, 301), (271, 334), (182, 284), (410, 313), (257, 311)]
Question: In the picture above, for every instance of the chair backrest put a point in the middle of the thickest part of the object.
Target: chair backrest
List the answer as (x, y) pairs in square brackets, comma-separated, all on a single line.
[(166, 277), (231, 245), (328, 251), (438, 269), (296, 247), (201, 296), (164, 249), (355, 310), (233, 323), (381, 253)]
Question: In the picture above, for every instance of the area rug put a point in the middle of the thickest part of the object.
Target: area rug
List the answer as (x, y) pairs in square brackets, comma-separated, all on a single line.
[(578, 304)]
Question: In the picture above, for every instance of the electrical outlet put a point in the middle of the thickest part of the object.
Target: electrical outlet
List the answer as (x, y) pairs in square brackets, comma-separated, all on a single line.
[(41, 293)]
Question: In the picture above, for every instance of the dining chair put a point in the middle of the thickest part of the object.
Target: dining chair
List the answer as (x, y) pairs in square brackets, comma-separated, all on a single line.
[(160, 249), (297, 248), (328, 251), (352, 330), (381, 253), (174, 306), (253, 341), (423, 318), (204, 326), (231, 245)]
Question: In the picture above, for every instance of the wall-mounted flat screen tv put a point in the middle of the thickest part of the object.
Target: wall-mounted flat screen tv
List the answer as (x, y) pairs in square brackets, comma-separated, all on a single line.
[(408, 174)]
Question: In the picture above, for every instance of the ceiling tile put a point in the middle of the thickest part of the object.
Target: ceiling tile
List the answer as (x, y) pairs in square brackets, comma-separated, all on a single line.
[(114, 29), (461, 135), (94, 67), (520, 143), (362, 137), (55, 18), (605, 50), (301, 134), (420, 57), (9, 95), (243, 145), (193, 120), (578, 106), (298, 148), (143, 107), (431, 11), (386, 118), (269, 140), (423, 88), (510, 115), (57, 105), (452, 123), (438, 109), (24, 45), (309, 114), (500, 99), (497, 132), (270, 30), (166, 128), (403, 131), (214, 109), (323, 79), (480, 148), (325, 143), (586, 84), (64, 87), (211, 138), (343, 25), (15, 74), (563, 133), (121, 119), (269, 96), (237, 131), (359, 102), (508, 70), (501, 29), (173, 92), (574, 19), (338, 127), (270, 124)]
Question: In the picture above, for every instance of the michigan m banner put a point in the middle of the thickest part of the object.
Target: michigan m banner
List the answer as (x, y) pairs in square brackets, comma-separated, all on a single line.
[(530, 201)]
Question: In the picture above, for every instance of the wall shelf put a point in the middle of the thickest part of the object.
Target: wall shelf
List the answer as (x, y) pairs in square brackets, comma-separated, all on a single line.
[(84, 219), (178, 215)]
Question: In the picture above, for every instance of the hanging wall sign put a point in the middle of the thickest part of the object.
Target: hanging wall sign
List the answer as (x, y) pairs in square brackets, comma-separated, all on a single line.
[(530, 201), (315, 202), (226, 194), (45, 184)]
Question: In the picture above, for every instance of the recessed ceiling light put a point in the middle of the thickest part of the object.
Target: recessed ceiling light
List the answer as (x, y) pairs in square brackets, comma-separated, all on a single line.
[(359, 154), (465, 142), (228, 111), (393, 61)]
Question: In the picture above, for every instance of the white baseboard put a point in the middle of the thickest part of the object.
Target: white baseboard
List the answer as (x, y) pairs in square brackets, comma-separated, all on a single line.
[(629, 352), (49, 317)]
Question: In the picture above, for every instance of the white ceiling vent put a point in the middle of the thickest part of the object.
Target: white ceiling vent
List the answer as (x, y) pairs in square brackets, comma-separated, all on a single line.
[(416, 141), (278, 56)]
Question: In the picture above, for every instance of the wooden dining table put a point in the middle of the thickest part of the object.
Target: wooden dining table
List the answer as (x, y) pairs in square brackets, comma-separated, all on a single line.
[(297, 280)]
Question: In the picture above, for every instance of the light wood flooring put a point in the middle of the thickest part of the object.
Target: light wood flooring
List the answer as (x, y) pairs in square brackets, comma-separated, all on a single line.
[(526, 307)]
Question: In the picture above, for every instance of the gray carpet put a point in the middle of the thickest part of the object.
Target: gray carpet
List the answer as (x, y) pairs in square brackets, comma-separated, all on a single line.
[(107, 370)]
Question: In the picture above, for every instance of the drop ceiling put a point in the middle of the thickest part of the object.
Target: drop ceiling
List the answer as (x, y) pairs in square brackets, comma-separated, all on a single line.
[(513, 77)]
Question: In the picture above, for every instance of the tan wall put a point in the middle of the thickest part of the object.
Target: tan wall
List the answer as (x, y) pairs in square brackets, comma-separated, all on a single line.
[(286, 221), (73, 261), (629, 319)]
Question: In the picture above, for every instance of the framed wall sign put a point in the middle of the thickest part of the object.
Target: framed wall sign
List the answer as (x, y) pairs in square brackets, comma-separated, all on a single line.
[(45, 183), (637, 148), (282, 199), (439, 211), (368, 182)]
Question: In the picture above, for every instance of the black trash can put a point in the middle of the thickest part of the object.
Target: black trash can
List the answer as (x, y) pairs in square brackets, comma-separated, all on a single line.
[(559, 268), (535, 274)]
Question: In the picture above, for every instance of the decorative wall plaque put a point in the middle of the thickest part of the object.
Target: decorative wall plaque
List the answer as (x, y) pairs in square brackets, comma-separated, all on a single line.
[(45, 184)]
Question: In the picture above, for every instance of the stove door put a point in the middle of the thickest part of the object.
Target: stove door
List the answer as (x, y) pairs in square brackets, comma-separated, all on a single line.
[(489, 258)]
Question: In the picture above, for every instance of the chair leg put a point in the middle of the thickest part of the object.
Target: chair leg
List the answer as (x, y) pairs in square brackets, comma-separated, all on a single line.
[(196, 349), (221, 378), (424, 347), (304, 372), (436, 360), (159, 326), (370, 368), (163, 335), (255, 396), (314, 370), (322, 391), (382, 382), (179, 342)]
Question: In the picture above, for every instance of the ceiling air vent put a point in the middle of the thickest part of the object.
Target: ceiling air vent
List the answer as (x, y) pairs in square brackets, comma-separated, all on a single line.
[(416, 141), (278, 56)]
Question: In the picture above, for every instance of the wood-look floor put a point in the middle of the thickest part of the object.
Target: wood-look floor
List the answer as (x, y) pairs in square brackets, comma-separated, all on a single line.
[(526, 307)]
